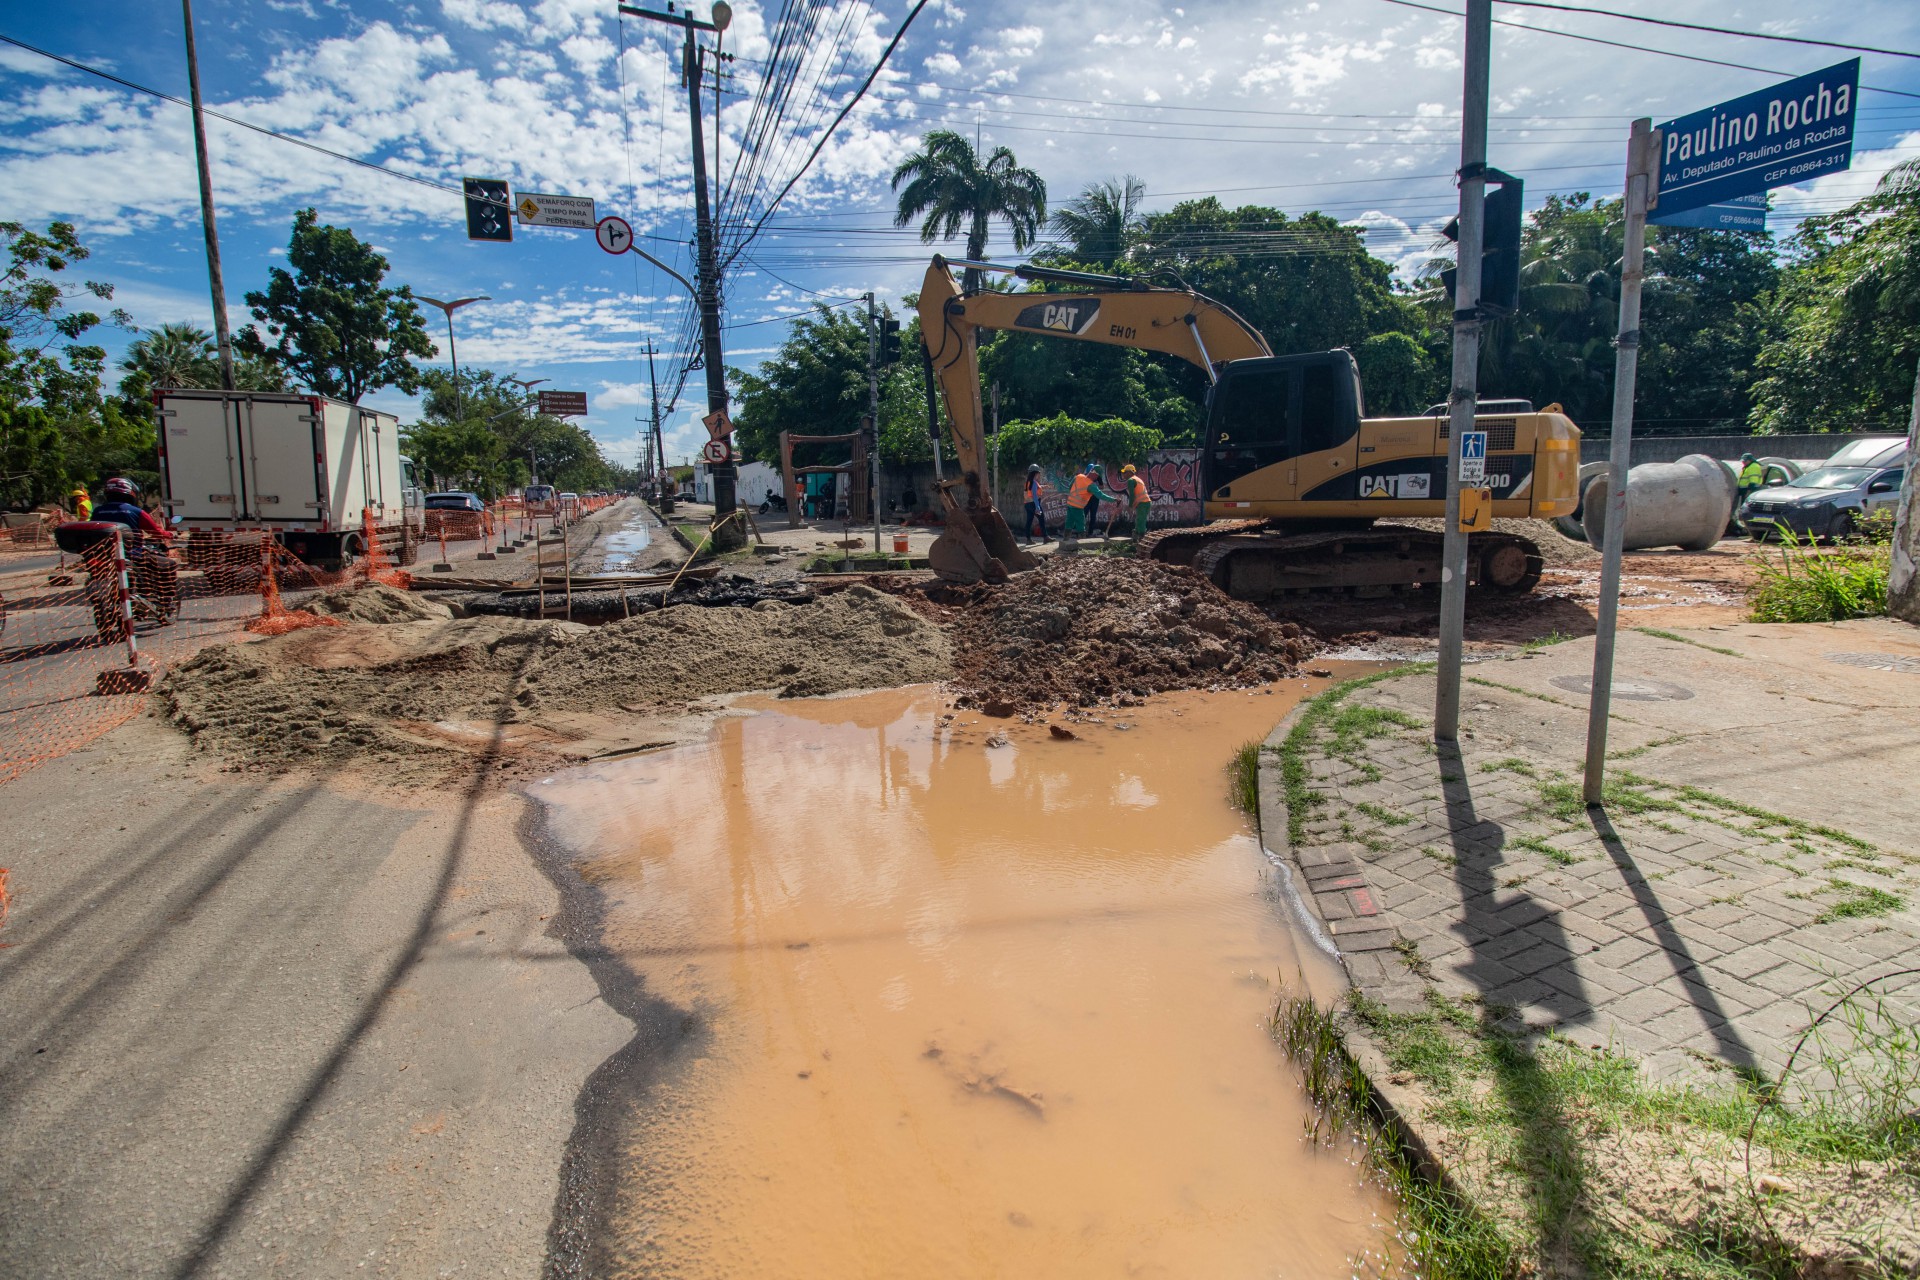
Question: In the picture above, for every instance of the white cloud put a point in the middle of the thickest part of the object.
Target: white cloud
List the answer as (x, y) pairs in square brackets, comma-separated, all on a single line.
[(942, 64)]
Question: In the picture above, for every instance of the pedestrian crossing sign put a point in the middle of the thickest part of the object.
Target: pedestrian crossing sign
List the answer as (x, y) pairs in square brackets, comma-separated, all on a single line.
[(1473, 457)]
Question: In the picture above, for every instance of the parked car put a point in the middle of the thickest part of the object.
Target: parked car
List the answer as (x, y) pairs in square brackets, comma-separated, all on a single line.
[(1826, 502), (456, 500)]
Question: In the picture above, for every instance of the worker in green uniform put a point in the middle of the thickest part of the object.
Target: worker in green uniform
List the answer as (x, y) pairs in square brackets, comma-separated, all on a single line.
[(1752, 476), (1086, 488), (1138, 496)]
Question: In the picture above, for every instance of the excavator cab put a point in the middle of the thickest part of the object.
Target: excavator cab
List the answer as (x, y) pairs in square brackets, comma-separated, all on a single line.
[(1280, 426)]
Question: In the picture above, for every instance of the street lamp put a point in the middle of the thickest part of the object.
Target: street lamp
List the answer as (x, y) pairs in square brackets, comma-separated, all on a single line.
[(453, 355)]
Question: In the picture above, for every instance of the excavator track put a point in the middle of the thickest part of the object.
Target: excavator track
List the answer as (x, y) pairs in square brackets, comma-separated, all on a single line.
[(1254, 560)]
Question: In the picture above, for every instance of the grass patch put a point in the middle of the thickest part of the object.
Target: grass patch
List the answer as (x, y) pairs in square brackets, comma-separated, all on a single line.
[(1859, 902), (1539, 845), (1514, 688), (1699, 795), (1621, 792), (1244, 776), (1546, 641), (1561, 1149), (1380, 813), (1808, 585), (1512, 764), (1680, 639), (1296, 775)]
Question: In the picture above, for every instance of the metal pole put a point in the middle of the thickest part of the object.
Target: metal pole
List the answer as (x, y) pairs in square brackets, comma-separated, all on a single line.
[(994, 484), (221, 336), (1466, 362), (1643, 151), (727, 534), (873, 416), (1903, 600), (453, 358)]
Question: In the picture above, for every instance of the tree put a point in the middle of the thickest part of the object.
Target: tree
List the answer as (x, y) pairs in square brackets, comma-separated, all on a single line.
[(335, 327), (1396, 375), (1065, 439), (182, 355), (55, 430), (486, 442), (946, 182), (1103, 222), (1846, 317)]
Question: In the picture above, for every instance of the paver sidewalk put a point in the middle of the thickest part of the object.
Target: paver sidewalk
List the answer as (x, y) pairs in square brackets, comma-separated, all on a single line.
[(1760, 850)]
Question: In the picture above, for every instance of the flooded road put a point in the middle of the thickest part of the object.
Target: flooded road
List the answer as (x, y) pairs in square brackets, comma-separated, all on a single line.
[(622, 545), (961, 1009)]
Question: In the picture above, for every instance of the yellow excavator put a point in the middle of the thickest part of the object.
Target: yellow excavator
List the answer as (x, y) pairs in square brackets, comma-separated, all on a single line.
[(1292, 475)]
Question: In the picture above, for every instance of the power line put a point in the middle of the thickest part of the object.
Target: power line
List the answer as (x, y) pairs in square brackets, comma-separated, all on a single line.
[(1719, 31), (1635, 48)]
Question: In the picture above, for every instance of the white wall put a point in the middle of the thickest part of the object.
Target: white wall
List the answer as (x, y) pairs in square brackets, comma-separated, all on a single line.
[(752, 484)]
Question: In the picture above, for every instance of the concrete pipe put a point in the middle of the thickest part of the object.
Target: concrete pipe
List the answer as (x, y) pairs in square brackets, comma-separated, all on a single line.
[(1570, 526), (1684, 504)]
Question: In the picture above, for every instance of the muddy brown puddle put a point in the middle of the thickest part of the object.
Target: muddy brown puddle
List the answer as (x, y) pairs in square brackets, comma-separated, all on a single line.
[(965, 1010)]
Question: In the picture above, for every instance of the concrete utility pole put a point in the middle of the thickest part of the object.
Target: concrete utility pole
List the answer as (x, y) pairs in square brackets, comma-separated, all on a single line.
[(221, 336), (728, 534), (1466, 361), (663, 481), (873, 417), (1903, 582), (1643, 167)]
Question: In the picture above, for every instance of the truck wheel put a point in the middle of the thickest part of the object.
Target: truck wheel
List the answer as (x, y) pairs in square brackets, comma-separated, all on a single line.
[(1842, 526)]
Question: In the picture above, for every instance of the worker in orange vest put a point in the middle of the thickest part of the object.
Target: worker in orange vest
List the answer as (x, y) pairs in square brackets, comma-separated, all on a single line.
[(1085, 489), (1137, 495), (82, 505)]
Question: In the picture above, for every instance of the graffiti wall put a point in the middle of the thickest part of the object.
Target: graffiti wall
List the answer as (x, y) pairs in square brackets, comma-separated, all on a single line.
[(1172, 475), (1173, 478)]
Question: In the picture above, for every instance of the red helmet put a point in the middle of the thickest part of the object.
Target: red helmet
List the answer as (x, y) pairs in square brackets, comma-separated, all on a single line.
[(122, 488)]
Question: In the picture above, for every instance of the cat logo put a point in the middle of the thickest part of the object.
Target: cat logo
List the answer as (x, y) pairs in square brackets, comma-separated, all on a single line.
[(1378, 486), (1059, 317)]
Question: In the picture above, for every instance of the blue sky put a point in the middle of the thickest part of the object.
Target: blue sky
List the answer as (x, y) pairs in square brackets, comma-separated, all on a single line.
[(1344, 106)]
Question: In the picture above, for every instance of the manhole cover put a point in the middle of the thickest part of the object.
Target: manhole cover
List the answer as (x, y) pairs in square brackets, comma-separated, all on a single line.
[(1630, 690), (1878, 661)]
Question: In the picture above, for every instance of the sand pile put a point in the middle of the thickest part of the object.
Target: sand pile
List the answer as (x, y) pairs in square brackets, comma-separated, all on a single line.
[(382, 695), (858, 638), (377, 603), (1091, 629)]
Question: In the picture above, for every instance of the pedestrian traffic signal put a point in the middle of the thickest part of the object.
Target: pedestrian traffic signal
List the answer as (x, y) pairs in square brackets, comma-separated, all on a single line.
[(889, 342), (1500, 230), (489, 209)]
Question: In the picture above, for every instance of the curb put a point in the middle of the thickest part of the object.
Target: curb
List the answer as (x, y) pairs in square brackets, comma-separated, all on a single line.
[(1392, 1104)]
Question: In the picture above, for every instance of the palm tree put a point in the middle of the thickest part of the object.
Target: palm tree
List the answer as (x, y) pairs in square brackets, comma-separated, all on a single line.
[(1104, 221), (946, 181), (174, 355)]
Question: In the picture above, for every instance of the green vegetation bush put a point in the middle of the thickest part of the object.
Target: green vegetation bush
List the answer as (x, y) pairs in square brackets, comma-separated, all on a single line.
[(1061, 438), (1806, 584)]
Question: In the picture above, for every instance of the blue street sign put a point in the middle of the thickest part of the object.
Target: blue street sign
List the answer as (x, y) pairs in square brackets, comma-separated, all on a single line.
[(1772, 138), (1473, 444), (1742, 213)]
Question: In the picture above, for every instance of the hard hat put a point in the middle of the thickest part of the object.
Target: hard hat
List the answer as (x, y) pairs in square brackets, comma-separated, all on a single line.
[(121, 487), (1033, 468), (1127, 470)]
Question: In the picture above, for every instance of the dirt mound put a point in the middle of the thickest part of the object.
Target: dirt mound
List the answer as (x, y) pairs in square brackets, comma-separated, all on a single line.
[(402, 697), (854, 639), (378, 604), (1085, 630)]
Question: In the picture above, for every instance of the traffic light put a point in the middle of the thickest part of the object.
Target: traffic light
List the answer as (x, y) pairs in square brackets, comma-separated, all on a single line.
[(489, 209), (1500, 246), (889, 342)]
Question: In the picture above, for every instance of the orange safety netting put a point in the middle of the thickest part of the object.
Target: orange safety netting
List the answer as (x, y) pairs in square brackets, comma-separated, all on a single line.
[(67, 670)]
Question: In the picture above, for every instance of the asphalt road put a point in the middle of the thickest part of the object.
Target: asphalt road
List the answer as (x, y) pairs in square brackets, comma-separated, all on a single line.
[(253, 1027)]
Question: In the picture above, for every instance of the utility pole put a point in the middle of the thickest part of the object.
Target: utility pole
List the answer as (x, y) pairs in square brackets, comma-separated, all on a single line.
[(933, 412), (873, 417), (727, 533), (1466, 362), (221, 336), (1903, 579), (1643, 167), (664, 491)]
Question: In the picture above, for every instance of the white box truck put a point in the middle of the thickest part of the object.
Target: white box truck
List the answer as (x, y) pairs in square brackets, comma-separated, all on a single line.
[(313, 473)]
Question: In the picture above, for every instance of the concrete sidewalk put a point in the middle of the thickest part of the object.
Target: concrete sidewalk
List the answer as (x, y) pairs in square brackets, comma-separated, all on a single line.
[(1760, 849)]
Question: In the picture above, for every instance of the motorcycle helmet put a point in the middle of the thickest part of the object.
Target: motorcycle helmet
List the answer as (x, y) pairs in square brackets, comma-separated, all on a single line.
[(1033, 468), (123, 489)]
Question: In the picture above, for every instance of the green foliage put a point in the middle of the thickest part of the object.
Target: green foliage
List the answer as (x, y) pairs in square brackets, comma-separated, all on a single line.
[(1061, 438), (1846, 322), (1245, 775), (482, 439), (1396, 374), (55, 429), (1805, 584), (1859, 902), (334, 326), (1103, 222), (948, 186)]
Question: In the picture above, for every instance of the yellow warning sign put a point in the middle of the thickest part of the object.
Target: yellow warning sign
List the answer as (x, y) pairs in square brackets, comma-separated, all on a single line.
[(528, 209)]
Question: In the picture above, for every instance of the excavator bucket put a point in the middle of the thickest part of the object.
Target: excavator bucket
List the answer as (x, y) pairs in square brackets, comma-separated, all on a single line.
[(976, 545)]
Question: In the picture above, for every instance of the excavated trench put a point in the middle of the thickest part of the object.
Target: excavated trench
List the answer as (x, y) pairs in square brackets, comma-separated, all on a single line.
[(919, 992)]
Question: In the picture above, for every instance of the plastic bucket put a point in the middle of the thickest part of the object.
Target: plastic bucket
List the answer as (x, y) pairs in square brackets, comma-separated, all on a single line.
[(899, 544)]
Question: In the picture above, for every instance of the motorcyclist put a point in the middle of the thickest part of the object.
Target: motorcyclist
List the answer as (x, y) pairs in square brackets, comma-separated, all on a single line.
[(147, 549)]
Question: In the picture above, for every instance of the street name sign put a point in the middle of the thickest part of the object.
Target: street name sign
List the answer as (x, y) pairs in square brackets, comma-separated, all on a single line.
[(572, 212), (1771, 138), (1742, 213), (1473, 457), (563, 404), (613, 234), (489, 209)]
